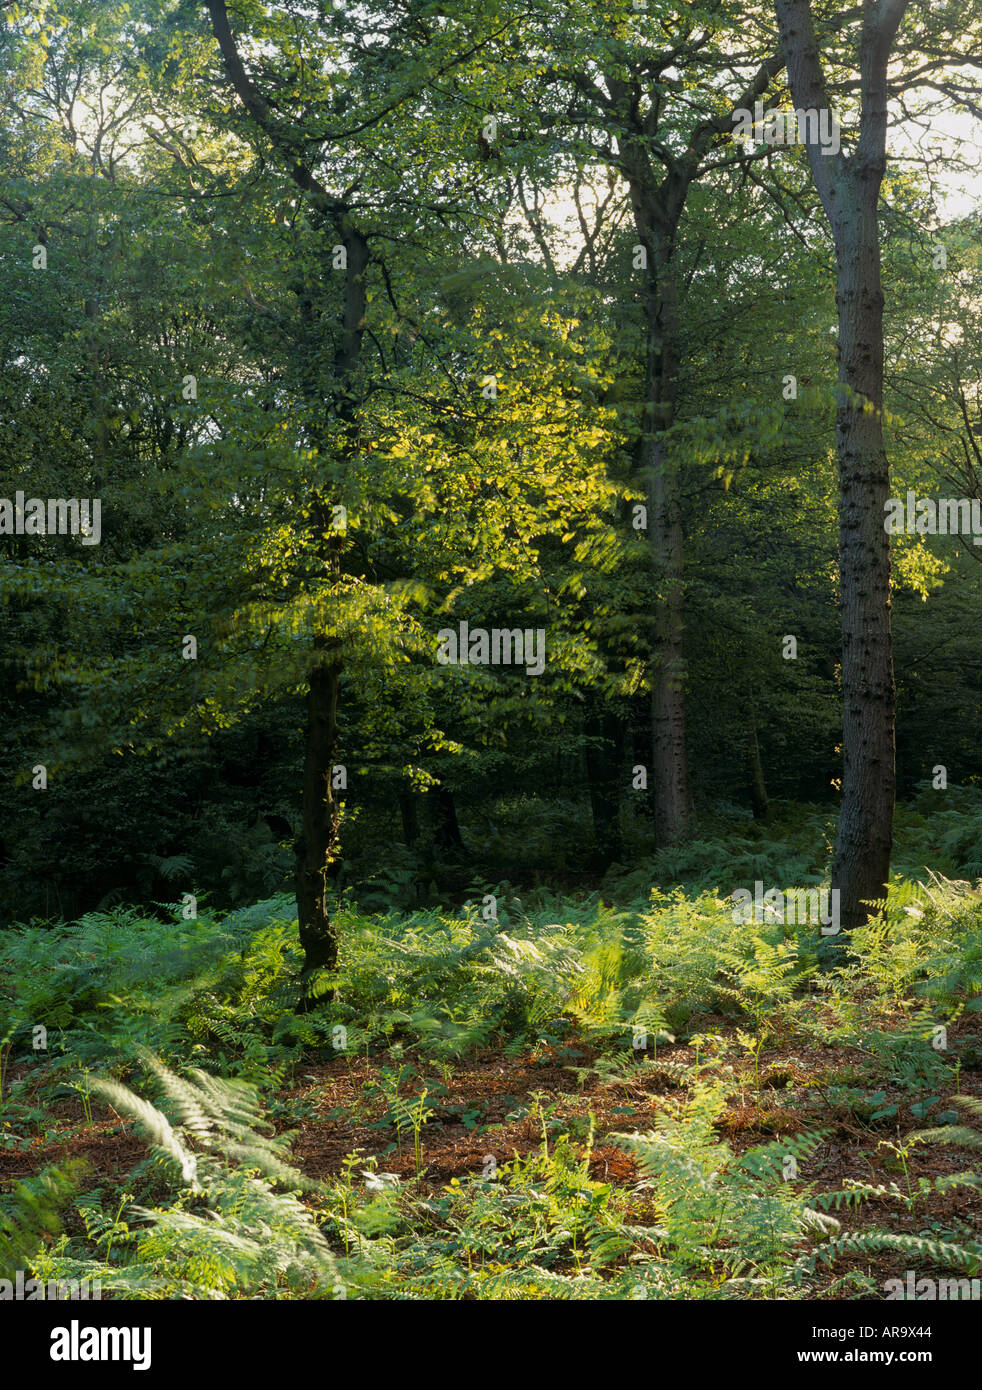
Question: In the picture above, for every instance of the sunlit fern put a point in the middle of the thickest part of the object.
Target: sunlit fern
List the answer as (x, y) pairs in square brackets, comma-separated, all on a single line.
[(227, 1233)]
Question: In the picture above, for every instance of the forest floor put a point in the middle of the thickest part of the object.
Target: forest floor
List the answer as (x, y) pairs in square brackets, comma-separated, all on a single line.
[(502, 1106), (631, 1093)]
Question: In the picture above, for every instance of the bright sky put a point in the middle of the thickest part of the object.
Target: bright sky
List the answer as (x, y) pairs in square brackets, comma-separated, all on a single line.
[(957, 133)]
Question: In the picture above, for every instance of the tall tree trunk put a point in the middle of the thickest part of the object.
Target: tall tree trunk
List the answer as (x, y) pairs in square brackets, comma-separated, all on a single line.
[(319, 826), (670, 763), (849, 187), (656, 216), (658, 202), (316, 848), (861, 868)]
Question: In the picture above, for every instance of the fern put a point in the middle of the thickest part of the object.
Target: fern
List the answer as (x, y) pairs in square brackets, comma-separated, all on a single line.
[(227, 1233), (725, 1216), (958, 1136), (30, 1214)]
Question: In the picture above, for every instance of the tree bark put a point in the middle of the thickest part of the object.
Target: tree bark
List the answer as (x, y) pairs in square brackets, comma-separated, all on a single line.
[(849, 187), (319, 826), (657, 209), (662, 483), (861, 868)]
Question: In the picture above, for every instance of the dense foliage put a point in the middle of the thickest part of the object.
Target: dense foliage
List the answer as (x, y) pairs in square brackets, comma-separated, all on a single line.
[(489, 581)]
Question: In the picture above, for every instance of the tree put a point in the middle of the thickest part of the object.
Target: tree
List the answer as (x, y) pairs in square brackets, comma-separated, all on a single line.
[(849, 187), (645, 93)]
